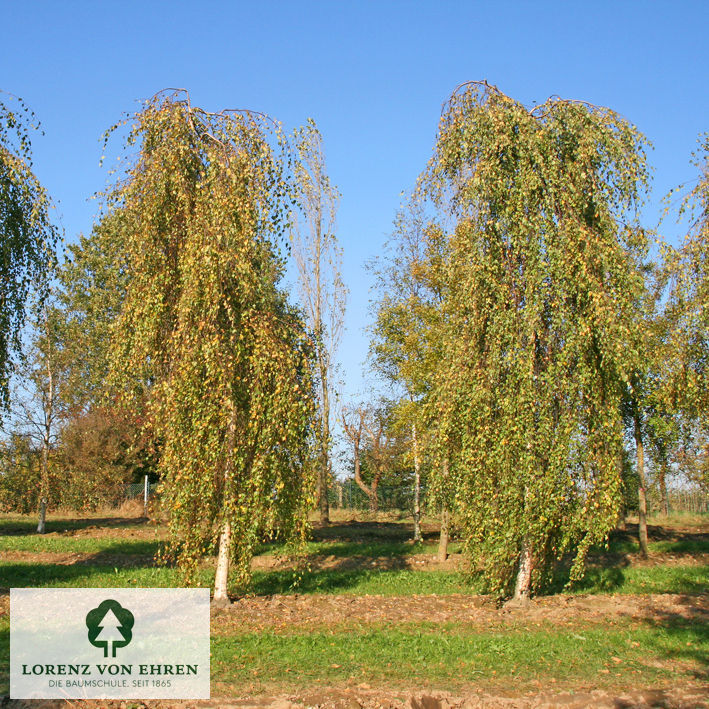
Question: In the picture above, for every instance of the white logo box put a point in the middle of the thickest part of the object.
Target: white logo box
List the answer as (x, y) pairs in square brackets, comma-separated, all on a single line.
[(109, 643)]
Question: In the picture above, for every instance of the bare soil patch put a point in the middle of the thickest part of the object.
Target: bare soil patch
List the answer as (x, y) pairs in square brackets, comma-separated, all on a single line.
[(411, 562), (365, 697), (295, 612)]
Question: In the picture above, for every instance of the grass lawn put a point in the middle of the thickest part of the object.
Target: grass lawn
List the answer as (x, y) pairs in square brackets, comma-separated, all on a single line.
[(397, 582), (455, 657)]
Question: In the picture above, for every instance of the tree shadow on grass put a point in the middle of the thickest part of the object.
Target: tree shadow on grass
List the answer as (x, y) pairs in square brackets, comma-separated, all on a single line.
[(626, 540), (11, 527), (40, 575), (605, 578), (137, 547), (683, 636), (87, 574), (395, 575), (353, 531), (615, 574), (130, 547)]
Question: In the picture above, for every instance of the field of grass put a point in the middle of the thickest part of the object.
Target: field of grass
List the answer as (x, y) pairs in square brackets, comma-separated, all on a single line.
[(456, 657), (646, 638)]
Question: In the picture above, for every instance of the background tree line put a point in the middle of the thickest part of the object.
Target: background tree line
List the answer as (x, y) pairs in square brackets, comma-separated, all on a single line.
[(542, 359)]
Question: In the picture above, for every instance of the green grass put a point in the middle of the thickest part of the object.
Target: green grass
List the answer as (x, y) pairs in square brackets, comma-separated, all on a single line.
[(384, 582), (682, 546), (674, 578), (29, 575), (411, 655), (82, 545), (24, 524), (31, 542), (390, 582), (451, 655), (354, 581)]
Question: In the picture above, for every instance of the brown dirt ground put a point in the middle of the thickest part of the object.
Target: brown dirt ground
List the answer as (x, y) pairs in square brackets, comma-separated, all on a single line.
[(311, 612), (414, 562), (315, 611), (364, 697)]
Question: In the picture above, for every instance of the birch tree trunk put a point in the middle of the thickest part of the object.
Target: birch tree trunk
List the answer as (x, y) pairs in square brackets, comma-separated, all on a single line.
[(417, 487), (642, 486), (46, 439), (443, 539), (42, 515), (523, 583), (44, 481), (221, 578), (324, 441), (43, 486), (664, 503)]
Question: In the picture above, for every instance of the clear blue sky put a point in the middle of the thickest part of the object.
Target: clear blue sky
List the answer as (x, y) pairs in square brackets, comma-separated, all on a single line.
[(372, 74)]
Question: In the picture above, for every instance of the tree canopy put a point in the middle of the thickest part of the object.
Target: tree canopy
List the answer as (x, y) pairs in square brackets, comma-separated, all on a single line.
[(225, 361), (542, 279), (27, 235)]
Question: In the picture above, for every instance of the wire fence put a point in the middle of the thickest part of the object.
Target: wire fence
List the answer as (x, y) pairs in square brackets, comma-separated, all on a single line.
[(346, 494), (138, 490), (694, 501)]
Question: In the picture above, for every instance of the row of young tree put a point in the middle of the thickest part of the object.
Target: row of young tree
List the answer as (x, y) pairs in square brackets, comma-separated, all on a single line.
[(525, 333)]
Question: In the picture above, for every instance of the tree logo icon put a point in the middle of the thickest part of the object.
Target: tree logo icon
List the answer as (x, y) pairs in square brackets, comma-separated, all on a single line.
[(110, 626)]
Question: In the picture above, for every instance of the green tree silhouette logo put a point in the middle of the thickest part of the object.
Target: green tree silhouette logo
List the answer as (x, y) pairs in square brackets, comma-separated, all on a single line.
[(110, 626)]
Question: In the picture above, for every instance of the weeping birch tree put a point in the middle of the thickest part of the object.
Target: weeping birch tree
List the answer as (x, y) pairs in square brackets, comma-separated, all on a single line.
[(224, 359), (27, 235), (543, 276), (686, 312), (683, 355), (318, 258)]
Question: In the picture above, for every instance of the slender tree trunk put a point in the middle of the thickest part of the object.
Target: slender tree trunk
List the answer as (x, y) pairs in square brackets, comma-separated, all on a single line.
[(42, 515), (523, 583), (443, 539), (621, 525), (369, 490), (43, 487), (46, 442), (324, 445), (525, 564), (664, 504), (417, 487), (373, 497), (221, 578), (642, 500)]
